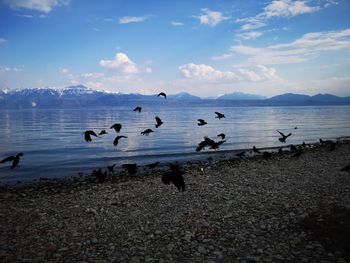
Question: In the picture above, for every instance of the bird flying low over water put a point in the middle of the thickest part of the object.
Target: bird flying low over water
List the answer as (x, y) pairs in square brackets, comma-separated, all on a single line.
[(209, 142), (102, 132), (88, 134), (138, 108), (14, 159), (117, 127), (175, 176), (222, 135), (162, 94), (284, 137), (131, 168), (159, 122), (256, 150), (116, 140), (147, 132), (219, 115), (201, 122)]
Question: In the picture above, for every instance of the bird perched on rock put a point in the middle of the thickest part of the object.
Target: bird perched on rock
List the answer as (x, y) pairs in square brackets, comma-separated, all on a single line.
[(175, 176), (147, 132), (162, 94), (99, 175), (116, 140), (14, 159), (256, 150), (219, 115), (138, 108), (117, 127), (201, 122), (131, 168), (346, 169), (88, 134), (222, 135), (284, 137), (159, 122), (152, 165), (102, 132)]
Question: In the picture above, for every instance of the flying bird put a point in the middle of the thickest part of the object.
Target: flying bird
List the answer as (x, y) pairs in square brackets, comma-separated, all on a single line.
[(208, 142), (131, 168), (116, 140), (102, 132), (14, 159), (88, 134), (256, 150), (162, 94), (175, 176), (284, 137), (117, 127), (147, 132), (138, 108), (152, 165), (219, 115), (201, 122), (222, 135), (159, 122)]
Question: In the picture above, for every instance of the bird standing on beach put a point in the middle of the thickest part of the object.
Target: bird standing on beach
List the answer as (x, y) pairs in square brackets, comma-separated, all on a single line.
[(256, 150), (219, 115), (14, 159), (222, 135), (110, 168), (117, 127), (175, 176), (284, 137), (88, 134), (147, 132), (201, 122), (138, 108), (159, 122), (162, 94), (116, 140)]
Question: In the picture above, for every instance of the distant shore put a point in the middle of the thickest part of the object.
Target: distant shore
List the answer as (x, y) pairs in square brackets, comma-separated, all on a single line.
[(279, 209)]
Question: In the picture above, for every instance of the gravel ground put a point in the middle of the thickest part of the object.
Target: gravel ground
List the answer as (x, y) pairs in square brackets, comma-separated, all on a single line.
[(283, 209)]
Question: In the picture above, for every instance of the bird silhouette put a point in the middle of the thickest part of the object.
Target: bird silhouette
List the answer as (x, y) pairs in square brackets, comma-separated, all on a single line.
[(304, 145), (330, 143), (14, 159), (138, 108), (256, 150), (280, 150), (219, 115), (99, 175), (152, 165), (346, 169), (110, 168), (240, 154), (175, 176), (162, 94), (131, 168), (116, 140), (208, 142), (159, 122), (296, 127), (201, 122), (117, 127), (88, 134), (147, 132), (102, 132), (284, 137), (222, 135), (216, 144)]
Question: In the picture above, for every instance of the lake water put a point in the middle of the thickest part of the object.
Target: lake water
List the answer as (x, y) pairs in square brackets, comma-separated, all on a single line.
[(53, 144)]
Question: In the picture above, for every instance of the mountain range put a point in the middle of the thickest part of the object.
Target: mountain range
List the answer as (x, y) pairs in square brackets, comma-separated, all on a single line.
[(81, 96)]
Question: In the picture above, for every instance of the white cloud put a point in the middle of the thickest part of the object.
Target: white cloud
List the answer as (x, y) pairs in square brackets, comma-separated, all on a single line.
[(148, 70), (64, 71), (250, 35), (2, 40), (132, 19), (45, 6), (4, 69), (211, 18), (174, 23), (92, 75), (121, 62), (206, 72)]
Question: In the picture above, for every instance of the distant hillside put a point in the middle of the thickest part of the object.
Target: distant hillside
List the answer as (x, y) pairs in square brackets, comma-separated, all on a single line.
[(240, 96), (290, 99)]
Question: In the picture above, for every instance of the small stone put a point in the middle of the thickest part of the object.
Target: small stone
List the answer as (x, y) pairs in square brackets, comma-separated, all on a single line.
[(202, 250), (279, 257)]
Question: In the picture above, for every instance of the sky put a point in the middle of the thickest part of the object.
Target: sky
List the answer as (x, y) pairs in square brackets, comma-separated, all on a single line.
[(206, 48)]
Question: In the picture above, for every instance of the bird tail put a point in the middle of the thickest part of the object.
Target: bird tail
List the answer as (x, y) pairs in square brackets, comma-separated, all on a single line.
[(156, 125)]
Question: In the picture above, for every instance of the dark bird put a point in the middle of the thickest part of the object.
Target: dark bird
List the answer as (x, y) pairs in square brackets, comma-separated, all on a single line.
[(175, 176), (116, 140), (284, 137), (346, 169), (138, 108), (152, 165), (110, 168), (293, 148), (88, 134), (219, 115), (266, 155), (330, 143), (13, 159), (102, 132), (216, 145), (222, 135), (147, 132), (256, 150), (159, 122), (162, 94), (131, 168), (201, 122), (304, 145), (99, 175), (295, 128), (240, 154), (208, 142), (298, 152), (117, 127), (280, 150)]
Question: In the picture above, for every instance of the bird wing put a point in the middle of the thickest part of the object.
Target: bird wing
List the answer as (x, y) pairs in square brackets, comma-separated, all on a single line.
[(281, 133), (158, 120), (8, 159), (92, 133)]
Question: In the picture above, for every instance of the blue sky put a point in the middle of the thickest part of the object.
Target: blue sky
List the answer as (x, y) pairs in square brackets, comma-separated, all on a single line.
[(206, 48)]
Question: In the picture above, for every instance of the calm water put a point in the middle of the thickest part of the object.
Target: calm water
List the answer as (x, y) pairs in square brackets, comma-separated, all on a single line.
[(54, 146)]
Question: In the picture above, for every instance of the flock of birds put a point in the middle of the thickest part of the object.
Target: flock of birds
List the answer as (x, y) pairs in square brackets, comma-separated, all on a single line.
[(175, 174)]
